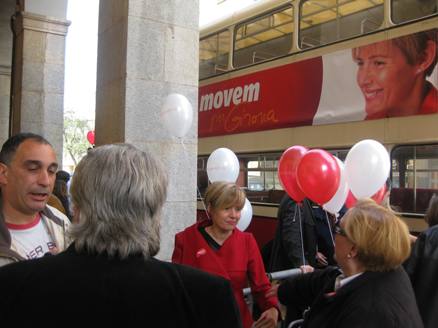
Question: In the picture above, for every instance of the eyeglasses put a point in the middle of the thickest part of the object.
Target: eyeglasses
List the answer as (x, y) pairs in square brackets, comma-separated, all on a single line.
[(340, 231)]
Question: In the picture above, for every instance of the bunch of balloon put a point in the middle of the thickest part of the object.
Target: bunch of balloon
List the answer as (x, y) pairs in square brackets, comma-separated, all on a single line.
[(318, 175), (177, 114), (223, 165), (90, 137), (287, 171)]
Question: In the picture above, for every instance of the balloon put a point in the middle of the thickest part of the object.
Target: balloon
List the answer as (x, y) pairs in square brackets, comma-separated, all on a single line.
[(177, 114), (318, 175), (335, 204), (367, 167), (351, 200), (222, 165), (90, 137), (377, 197), (287, 171), (245, 216)]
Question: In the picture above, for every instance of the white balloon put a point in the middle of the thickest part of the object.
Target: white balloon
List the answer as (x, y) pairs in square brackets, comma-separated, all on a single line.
[(177, 114), (222, 165), (367, 168), (245, 216), (338, 200)]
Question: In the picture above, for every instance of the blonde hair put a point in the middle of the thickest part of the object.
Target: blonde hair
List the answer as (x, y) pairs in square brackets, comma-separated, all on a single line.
[(381, 237), (220, 195)]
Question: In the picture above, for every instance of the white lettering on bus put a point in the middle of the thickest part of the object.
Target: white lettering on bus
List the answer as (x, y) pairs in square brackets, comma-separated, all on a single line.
[(223, 98)]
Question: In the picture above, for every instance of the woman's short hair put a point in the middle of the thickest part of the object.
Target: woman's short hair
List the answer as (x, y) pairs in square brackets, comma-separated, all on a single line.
[(220, 195), (381, 237), (118, 192), (431, 216), (413, 47)]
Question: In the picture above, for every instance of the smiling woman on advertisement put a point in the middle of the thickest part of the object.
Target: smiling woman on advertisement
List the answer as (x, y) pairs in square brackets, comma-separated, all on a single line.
[(216, 246), (392, 75)]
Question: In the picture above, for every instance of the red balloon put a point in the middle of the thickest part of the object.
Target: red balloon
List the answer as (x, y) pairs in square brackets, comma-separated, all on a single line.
[(318, 175), (351, 200), (90, 137), (377, 197), (287, 171)]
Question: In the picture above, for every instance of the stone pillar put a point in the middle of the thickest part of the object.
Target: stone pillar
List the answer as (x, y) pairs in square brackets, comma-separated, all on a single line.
[(147, 50), (7, 9), (38, 81)]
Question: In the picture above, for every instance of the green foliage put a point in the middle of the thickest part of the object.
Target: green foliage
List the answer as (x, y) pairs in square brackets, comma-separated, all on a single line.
[(75, 136)]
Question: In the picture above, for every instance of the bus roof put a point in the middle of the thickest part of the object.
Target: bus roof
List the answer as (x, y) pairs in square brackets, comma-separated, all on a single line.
[(241, 15)]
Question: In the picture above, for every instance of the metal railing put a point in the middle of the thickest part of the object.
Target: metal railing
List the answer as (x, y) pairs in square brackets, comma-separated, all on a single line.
[(278, 275)]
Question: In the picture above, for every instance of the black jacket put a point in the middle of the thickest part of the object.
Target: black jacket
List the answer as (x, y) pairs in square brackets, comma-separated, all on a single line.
[(79, 289), (422, 268), (287, 250), (373, 299)]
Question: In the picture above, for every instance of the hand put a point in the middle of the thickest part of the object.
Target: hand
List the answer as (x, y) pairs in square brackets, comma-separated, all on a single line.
[(307, 268), (321, 259), (272, 292), (54, 250), (268, 319), (412, 238)]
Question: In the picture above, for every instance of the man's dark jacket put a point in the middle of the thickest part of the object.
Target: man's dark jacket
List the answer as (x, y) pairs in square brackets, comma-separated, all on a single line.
[(422, 268), (373, 299), (80, 289), (287, 250)]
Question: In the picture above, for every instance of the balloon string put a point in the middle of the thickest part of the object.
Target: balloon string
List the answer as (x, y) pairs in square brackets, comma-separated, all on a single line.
[(197, 188), (330, 227), (297, 208)]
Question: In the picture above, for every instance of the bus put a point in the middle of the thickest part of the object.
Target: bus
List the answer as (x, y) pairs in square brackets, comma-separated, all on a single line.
[(312, 73)]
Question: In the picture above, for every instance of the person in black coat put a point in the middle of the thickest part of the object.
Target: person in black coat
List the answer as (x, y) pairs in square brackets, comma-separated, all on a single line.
[(295, 241), (422, 267), (371, 289), (109, 277)]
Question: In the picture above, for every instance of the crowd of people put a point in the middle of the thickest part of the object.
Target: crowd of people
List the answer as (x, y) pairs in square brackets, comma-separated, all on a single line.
[(97, 255)]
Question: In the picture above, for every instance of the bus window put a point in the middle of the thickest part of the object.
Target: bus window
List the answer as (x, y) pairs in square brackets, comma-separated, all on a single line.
[(414, 177), (213, 54), (327, 21), (407, 10), (339, 153), (262, 182), (263, 38)]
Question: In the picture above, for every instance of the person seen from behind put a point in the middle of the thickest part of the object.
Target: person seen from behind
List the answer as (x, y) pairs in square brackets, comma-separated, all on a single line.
[(108, 276), (371, 289), (422, 267), (218, 247)]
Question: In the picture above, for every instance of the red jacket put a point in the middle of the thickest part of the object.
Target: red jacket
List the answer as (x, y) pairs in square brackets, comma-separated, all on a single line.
[(238, 260)]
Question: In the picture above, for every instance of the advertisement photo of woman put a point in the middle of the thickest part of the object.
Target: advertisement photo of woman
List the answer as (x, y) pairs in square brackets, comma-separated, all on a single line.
[(392, 75)]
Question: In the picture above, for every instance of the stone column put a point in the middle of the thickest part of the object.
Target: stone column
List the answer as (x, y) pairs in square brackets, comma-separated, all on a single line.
[(38, 88), (7, 9), (147, 50)]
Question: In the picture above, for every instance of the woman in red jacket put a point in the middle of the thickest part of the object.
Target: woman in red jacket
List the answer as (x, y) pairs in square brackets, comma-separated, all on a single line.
[(217, 247)]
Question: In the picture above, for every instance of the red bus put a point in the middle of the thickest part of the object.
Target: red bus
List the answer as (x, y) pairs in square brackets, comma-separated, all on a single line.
[(321, 74)]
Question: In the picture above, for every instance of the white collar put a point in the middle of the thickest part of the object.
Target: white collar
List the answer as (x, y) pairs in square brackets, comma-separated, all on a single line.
[(346, 280)]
